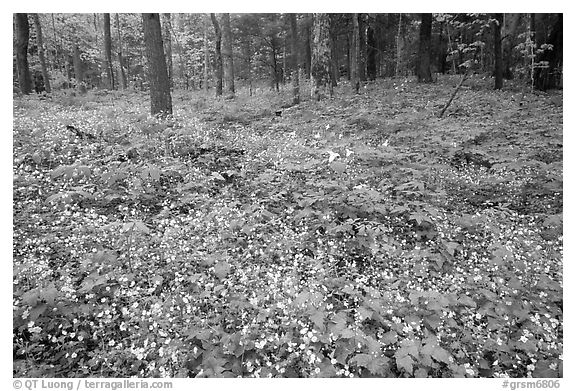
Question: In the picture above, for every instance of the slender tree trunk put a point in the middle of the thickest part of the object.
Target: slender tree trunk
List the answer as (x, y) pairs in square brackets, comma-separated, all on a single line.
[(549, 77), (362, 44), (167, 40), (78, 70), (508, 44), (371, 66), (295, 63), (206, 55), (219, 65), (160, 98), (333, 52), (108, 52), (41, 54), (498, 65), (228, 56), (399, 45), (423, 68), (23, 35), (321, 56), (308, 29), (355, 54), (123, 77)]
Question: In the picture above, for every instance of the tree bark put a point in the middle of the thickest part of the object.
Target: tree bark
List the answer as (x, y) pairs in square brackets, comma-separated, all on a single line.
[(362, 44), (78, 70), (167, 40), (41, 54), (498, 64), (228, 56), (371, 66), (23, 35), (355, 54), (320, 68), (206, 55), (308, 30), (108, 52), (160, 98), (423, 68), (508, 45), (219, 65), (295, 63), (123, 77)]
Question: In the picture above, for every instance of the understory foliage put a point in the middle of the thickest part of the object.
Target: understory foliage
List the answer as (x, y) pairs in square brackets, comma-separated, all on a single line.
[(359, 236)]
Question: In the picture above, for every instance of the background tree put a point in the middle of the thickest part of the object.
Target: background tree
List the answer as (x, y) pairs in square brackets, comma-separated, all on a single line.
[(295, 63), (218, 48), (321, 56), (498, 64), (227, 55), (123, 77), (41, 55), (362, 45), (206, 53), (167, 40), (548, 74), (22, 37), (160, 98), (423, 68), (355, 54), (510, 27), (78, 69), (108, 52)]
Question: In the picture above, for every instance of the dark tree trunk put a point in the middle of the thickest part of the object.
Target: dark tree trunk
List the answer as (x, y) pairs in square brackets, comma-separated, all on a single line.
[(362, 44), (160, 98), (355, 54), (508, 45), (549, 77), (423, 68), (333, 51), (498, 65), (23, 35), (295, 63), (41, 54), (167, 40), (219, 66), (206, 55), (227, 55), (308, 30), (123, 77), (371, 66), (108, 51), (321, 56)]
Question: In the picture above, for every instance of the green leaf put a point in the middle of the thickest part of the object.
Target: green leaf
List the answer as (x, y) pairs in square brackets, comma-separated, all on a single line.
[(420, 373), (318, 319), (406, 363), (140, 226), (221, 269), (337, 166), (440, 354)]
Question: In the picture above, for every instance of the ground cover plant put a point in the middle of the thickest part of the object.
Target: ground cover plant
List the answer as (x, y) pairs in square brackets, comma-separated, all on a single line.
[(358, 236)]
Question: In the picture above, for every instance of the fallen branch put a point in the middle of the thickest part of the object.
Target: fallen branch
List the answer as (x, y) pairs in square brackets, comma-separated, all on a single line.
[(464, 76)]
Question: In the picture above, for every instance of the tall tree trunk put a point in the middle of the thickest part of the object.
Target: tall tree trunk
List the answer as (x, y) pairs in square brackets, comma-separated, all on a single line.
[(167, 40), (160, 98), (108, 52), (23, 35), (206, 55), (123, 77), (321, 56), (549, 77), (41, 54), (371, 66), (227, 55), (498, 65), (219, 65), (274, 67), (78, 70), (308, 30), (508, 44), (295, 63), (423, 68), (355, 54), (333, 51), (362, 44), (399, 47)]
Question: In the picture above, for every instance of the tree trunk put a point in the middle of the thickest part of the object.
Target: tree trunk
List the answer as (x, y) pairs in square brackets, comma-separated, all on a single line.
[(206, 55), (219, 65), (108, 52), (362, 44), (498, 65), (78, 70), (41, 54), (371, 66), (227, 56), (160, 98), (399, 47), (123, 77), (423, 68), (308, 29), (295, 63), (23, 35), (320, 67), (355, 54), (167, 40), (549, 77), (508, 45)]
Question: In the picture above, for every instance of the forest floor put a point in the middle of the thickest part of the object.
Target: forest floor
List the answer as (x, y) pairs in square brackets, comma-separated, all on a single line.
[(357, 236)]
